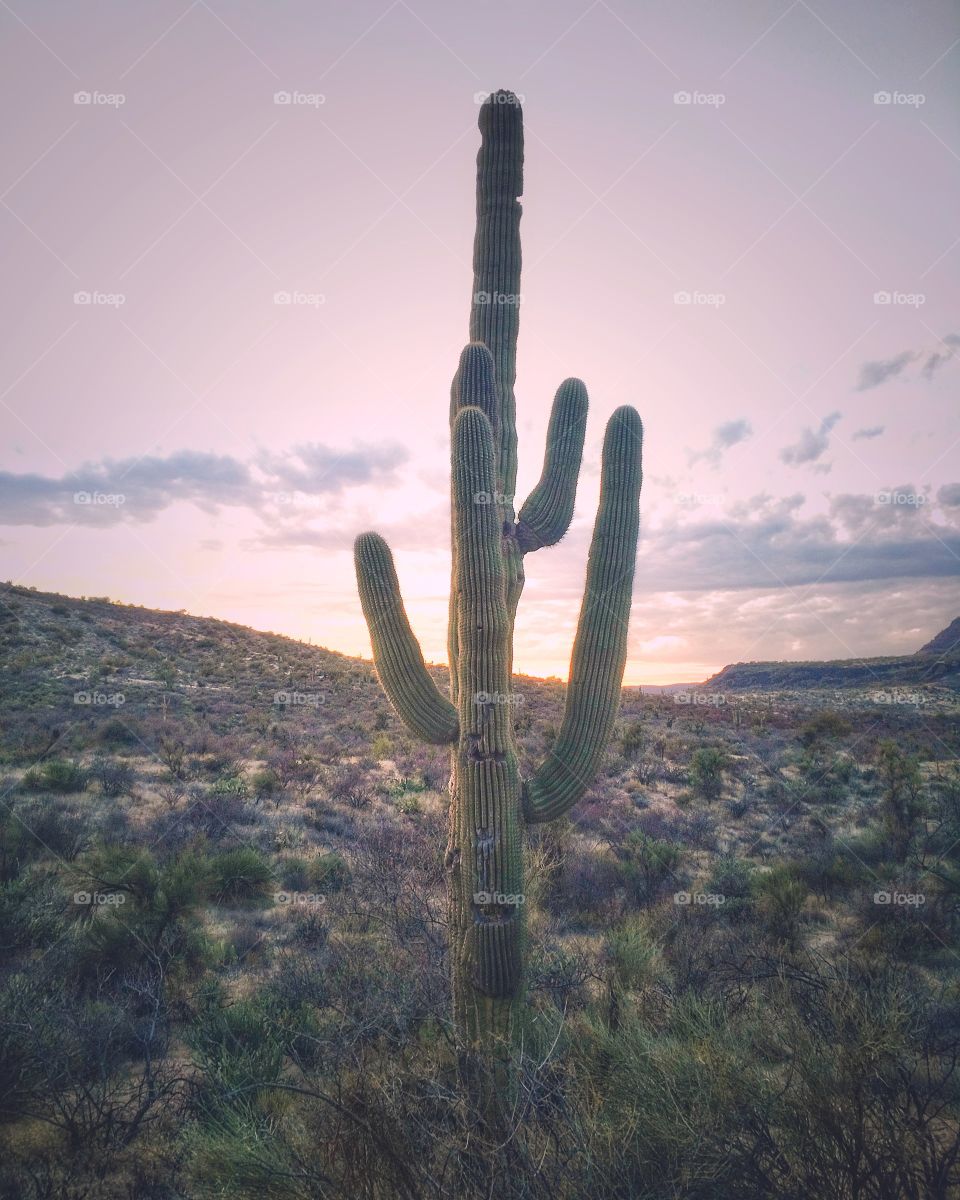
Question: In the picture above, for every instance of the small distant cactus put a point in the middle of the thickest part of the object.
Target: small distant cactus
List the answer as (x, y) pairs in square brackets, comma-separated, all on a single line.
[(490, 804)]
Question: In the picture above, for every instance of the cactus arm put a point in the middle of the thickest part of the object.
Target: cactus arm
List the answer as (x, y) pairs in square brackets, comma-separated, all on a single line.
[(474, 385), (548, 511), (600, 647), (397, 655)]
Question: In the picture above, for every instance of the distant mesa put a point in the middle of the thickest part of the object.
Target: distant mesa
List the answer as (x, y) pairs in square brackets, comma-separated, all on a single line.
[(938, 662)]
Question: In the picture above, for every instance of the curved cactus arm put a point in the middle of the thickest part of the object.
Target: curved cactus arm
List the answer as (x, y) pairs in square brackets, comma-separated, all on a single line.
[(396, 652), (474, 386), (548, 511), (600, 647)]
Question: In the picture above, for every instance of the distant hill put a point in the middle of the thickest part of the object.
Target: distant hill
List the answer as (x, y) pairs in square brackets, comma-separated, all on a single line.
[(67, 660), (947, 640), (938, 662)]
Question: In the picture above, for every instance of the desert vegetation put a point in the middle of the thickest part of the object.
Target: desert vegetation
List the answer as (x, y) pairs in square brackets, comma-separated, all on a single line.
[(225, 934)]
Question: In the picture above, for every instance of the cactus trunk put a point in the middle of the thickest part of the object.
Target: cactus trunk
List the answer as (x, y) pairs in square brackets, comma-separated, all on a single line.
[(490, 805)]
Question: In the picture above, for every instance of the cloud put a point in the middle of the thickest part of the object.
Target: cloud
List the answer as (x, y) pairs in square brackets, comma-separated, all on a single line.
[(811, 444), (139, 489), (724, 436), (873, 374), (872, 432), (776, 542), (937, 358)]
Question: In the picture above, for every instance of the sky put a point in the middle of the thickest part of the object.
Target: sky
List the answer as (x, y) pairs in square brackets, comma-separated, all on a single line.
[(238, 240)]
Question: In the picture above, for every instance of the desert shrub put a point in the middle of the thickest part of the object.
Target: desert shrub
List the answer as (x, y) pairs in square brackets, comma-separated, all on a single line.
[(781, 895), (265, 785), (351, 786), (241, 874), (230, 785), (648, 866), (585, 885), (31, 911), (295, 874), (706, 771), (731, 878), (115, 732), (328, 873), (902, 804), (37, 829), (826, 725), (132, 912), (113, 778), (381, 747), (635, 958), (55, 775)]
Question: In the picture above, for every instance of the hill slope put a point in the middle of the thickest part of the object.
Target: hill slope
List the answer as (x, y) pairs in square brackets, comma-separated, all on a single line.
[(938, 662)]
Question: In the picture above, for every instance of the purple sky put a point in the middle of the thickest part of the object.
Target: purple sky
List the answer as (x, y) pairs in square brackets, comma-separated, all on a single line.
[(801, 494)]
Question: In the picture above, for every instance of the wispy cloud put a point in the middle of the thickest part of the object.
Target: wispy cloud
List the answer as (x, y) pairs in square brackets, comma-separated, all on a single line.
[(875, 373), (812, 444), (730, 433), (138, 489)]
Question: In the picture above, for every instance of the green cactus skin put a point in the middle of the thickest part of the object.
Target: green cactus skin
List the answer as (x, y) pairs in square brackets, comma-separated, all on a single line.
[(490, 806)]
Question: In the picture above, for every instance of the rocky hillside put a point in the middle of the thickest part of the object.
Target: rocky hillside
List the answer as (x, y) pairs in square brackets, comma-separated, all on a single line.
[(936, 663)]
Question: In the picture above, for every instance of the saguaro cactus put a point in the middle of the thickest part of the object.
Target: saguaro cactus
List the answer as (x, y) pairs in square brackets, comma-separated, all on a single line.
[(490, 804)]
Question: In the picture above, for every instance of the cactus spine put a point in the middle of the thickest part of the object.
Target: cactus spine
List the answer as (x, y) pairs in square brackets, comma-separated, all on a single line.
[(490, 805)]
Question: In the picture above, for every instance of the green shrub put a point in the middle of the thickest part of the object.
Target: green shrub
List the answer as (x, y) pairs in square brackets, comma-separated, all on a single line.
[(781, 896), (329, 873), (706, 771), (647, 865), (55, 775), (240, 875), (731, 878), (381, 747)]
